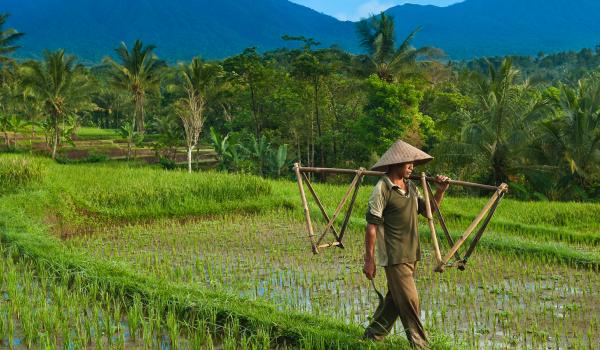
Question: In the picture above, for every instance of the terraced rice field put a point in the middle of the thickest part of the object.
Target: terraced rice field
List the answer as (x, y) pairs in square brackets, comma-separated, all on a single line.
[(223, 261)]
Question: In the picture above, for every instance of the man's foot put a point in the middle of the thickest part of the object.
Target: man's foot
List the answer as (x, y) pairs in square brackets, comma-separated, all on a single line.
[(370, 336)]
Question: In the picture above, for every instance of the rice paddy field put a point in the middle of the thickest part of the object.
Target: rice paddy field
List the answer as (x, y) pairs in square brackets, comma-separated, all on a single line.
[(114, 257)]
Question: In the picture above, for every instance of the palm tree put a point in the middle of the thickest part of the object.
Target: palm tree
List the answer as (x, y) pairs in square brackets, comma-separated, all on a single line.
[(377, 36), (499, 128), (62, 87), (7, 39), (199, 79), (573, 135), (139, 74), (10, 87)]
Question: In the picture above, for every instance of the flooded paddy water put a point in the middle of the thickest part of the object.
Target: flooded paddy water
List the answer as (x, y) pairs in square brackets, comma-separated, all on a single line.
[(502, 300)]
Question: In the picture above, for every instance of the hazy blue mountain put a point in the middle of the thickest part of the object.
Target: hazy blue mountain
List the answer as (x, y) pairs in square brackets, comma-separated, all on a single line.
[(216, 29), (476, 28), (179, 28)]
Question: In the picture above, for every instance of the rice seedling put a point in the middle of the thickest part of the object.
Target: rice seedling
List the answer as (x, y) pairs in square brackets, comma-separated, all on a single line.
[(213, 253)]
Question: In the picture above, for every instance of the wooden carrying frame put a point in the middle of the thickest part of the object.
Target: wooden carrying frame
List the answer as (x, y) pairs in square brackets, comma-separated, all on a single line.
[(442, 262)]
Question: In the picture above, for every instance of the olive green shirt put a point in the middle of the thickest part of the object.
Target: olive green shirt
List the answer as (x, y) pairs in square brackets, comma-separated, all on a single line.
[(395, 213)]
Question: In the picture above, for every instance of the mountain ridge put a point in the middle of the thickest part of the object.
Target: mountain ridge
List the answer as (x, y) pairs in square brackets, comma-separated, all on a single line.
[(179, 28), (182, 29)]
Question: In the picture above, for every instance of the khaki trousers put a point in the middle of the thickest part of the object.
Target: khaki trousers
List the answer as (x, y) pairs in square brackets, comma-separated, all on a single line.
[(401, 300)]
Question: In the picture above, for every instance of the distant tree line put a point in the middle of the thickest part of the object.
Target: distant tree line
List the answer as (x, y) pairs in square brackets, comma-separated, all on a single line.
[(533, 122)]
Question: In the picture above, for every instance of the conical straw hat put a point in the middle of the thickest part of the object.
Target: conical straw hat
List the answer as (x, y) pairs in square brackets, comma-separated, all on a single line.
[(401, 152)]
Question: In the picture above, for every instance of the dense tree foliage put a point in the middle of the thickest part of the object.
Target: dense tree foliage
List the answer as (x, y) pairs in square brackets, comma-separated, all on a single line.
[(529, 121)]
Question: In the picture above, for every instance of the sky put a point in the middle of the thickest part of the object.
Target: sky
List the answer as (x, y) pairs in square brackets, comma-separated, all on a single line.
[(356, 9)]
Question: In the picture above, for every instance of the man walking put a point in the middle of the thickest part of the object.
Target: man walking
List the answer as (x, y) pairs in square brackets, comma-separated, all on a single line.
[(392, 226)]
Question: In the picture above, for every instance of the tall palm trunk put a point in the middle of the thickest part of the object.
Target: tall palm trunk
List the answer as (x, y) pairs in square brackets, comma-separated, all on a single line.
[(55, 138), (55, 132), (138, 116)]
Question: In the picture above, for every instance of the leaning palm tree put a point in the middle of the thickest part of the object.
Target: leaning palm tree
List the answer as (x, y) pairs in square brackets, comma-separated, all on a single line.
[(63, 88), (377, 36), (7, 39), (139, 74), (199, 79)]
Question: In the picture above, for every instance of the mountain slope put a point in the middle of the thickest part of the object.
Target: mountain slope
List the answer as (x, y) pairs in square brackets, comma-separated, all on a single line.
[(477, 28), (179, 28), (182, 29)]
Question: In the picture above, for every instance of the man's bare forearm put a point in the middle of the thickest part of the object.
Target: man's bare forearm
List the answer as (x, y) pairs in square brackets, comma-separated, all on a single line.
[(369, 266), (442, 187), (370, 236), (438, 197)]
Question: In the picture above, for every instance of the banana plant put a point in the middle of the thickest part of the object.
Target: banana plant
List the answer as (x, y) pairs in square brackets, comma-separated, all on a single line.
[(278, 160), (133, 137), (222, 148), (258, 150)]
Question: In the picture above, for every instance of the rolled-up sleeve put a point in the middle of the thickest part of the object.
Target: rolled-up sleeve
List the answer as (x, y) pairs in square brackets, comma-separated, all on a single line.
[(377, 203)]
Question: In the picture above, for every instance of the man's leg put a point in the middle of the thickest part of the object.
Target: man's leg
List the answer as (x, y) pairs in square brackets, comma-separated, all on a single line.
[(404, 292), (383, 319)]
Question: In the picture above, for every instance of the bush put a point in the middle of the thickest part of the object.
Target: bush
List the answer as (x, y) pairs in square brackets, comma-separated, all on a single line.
[(17, 172), (166, 163), (91, 158)]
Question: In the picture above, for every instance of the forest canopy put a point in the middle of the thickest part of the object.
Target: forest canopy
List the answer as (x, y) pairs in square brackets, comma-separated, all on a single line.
[(532, 122)]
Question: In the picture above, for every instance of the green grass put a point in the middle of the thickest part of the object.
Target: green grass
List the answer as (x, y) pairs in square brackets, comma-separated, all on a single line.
[(267, 257), (87, 133), (71, 193), (211, 243), (30, 243), (142, 193), (17, 172)]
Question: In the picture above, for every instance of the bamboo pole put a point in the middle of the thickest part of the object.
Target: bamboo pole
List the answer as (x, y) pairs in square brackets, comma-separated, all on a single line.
[(321, 207), (338, 209), (462, 183), (434, 240), (436, 208), (350, 206), (502, 188), (340, 171), (482, 229), (309, 226), (381, 173), (327, 245)]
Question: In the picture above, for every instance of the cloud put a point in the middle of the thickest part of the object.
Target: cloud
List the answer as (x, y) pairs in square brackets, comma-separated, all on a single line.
[(365, 9)]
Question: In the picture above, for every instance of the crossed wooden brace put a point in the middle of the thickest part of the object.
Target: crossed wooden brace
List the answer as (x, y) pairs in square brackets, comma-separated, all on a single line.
[(441, 262)]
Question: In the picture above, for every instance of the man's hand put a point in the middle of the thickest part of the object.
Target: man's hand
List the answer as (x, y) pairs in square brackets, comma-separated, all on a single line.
[(369, 269), (442, 182)]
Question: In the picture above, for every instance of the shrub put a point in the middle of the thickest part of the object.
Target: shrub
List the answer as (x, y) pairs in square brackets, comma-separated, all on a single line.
[(17, 172)]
